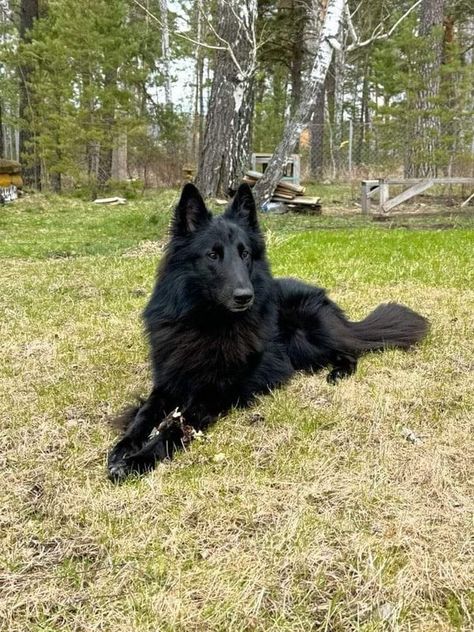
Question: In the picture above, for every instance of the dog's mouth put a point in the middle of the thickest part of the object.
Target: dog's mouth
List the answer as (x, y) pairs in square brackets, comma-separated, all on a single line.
[(237, 307)]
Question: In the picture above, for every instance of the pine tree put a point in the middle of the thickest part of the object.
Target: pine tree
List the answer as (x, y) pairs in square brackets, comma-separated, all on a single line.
[(29, 13)]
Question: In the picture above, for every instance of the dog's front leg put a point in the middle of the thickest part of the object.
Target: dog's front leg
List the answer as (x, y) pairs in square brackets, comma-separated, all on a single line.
[(135, 436), (171, 433)]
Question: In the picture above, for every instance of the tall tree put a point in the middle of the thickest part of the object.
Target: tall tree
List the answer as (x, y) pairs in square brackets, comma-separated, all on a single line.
[(165, 48), (226, 143), (29, 13), (2, 139), (296, 123), (422, 155), (317, 136)]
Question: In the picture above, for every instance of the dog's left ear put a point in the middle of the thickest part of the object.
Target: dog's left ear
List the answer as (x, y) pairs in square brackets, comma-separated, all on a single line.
[(242, 207), (190, 212)]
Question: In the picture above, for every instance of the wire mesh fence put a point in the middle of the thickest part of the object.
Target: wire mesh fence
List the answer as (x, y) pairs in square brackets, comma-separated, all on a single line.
[(383, 148)]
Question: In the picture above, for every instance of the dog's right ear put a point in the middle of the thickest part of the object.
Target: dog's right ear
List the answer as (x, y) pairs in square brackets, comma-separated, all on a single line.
[(242, 207), (190, 212)]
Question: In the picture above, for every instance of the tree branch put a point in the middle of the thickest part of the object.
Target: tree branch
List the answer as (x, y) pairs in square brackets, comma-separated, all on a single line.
[(181, 35), (375, 37)]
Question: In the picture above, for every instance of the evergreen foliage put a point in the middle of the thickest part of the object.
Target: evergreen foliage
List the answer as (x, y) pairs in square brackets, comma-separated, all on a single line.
[(93, 76)]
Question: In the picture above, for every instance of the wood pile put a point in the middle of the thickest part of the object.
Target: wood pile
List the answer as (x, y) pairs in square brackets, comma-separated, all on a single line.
[(10, 173), (292, 195)]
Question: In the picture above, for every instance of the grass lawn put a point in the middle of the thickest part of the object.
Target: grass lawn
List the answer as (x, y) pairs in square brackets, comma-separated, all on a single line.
[(316, 514)]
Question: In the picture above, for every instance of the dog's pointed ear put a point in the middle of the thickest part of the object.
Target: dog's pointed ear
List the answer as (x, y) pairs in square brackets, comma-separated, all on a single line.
[(190, 212), (242, 207)]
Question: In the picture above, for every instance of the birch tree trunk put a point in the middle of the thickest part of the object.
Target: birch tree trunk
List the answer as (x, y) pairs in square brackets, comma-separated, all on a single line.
[(266, 185), (165, 49), (226, 144)]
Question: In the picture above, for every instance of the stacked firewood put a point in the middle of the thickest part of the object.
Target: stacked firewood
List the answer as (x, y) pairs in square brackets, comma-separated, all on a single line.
[(10, 180), (292, 195)]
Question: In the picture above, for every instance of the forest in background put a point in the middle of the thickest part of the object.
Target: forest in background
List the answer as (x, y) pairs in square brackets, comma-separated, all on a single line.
[(96, 92)]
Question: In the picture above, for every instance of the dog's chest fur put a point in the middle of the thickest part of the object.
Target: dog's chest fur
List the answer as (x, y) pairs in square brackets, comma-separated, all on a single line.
[(208, 358)]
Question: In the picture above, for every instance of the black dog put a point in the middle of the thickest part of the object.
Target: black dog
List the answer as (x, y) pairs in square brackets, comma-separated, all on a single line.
[(222, 330)]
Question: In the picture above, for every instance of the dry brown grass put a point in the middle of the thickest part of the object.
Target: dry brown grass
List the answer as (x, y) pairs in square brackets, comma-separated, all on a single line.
[(315, 514)]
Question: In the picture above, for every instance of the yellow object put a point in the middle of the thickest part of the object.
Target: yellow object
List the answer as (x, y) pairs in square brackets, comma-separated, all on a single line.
[(7, 180)]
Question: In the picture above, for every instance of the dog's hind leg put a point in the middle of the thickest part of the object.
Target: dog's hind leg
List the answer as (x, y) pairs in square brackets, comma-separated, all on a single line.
[(343, 367), (137, 433)]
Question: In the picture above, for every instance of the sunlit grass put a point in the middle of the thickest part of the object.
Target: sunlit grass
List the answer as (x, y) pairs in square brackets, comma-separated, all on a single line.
[(315, 515)]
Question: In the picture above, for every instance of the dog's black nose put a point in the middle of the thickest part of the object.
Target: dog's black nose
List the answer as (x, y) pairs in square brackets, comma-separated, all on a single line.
[(243, 296)]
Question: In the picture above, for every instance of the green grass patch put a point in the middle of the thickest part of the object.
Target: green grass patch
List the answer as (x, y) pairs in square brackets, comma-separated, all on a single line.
[(314, 514)]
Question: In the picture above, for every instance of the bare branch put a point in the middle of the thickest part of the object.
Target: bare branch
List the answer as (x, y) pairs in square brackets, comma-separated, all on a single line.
[(226, 46), (350, 25), (376, 35), (177, 33), (405, 15)]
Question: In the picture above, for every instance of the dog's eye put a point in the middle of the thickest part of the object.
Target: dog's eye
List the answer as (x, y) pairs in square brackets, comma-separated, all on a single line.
[(212, 255), (245, 254)]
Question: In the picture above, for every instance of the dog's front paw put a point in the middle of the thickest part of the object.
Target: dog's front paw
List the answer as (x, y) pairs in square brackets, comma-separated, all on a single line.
[(117, 472), (118, 466)]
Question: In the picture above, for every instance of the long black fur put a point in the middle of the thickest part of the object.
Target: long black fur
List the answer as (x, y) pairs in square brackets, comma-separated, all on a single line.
[(223, 330)]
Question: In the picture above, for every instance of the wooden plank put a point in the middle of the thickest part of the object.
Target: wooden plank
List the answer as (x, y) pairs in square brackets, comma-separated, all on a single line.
[(434, 180), (294, 188), (282, 194), (111, 200), (416, 189), (466, 202), (374, 191), (255, 175), (309, 201), (384, 193), (9, 166), (368, 189)]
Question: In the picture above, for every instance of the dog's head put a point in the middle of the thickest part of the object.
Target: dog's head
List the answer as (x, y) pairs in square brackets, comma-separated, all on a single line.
[(221, 253)]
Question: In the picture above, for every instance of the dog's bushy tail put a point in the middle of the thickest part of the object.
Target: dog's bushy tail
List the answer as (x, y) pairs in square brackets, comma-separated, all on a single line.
[(389, 325)]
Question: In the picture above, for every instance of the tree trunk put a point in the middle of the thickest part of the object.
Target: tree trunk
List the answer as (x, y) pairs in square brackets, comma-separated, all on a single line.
[(29, 12), (119, 158), (56, 182), (198, 95), (330, 29), (108, 120), (449, 127), (299, 15), (105, 160), (421, 156), (360, 155), (2, 138), (315, 12), (317, 137), (226, 145), (165, 49)]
